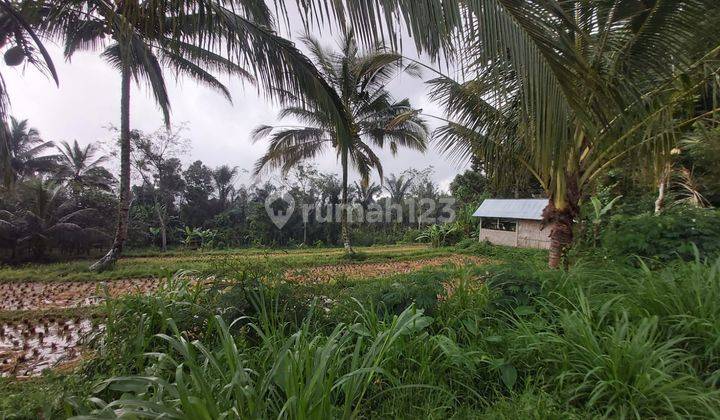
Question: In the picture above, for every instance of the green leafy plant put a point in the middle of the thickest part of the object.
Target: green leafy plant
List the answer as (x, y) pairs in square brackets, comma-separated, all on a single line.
[(665, 236), (437, 234), (201, 238), (296, 374), (598, 216)]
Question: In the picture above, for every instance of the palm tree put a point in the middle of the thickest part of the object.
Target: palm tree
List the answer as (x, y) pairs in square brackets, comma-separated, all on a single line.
[(22, 44), (26, 151), (567, 90), (591, 81), (398, 187), (48, 215), (187, 36), (78, 168), (366, 116), (143, 38), (365, 193), (190, 37), (224, 177)]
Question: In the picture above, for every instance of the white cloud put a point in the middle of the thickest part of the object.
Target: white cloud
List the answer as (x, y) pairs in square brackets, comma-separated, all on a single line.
[(88, 99)]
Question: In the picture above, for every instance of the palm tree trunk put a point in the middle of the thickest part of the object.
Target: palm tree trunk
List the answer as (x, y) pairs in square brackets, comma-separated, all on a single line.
[(124, 203), (163, 228), (662, 185), (344, 208), (561, 237), (562, 221), (304, 233)]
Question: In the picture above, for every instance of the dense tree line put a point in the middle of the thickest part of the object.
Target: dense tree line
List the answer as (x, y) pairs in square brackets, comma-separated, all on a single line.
[(62, 193)]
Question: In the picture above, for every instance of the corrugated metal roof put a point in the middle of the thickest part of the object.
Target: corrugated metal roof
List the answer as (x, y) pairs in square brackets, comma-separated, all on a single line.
[(529, 209)]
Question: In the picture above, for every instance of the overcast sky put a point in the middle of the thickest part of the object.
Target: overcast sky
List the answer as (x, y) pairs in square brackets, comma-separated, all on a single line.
[(88, 101)]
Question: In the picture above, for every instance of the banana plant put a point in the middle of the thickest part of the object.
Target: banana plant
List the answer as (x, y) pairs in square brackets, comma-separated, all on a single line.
[(598, 215)]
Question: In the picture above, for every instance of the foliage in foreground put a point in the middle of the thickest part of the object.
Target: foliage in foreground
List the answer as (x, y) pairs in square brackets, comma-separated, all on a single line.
[(505, 341)]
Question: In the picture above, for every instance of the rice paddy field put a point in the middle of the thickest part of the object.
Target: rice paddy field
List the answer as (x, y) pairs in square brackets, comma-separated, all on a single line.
[(471, 331)]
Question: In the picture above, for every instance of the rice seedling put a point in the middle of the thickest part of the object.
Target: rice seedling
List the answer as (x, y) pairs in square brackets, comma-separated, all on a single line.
[(30, 347)]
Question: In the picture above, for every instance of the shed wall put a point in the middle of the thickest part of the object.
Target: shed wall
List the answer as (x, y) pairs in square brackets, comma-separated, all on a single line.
[(498, 237), (528, 235)]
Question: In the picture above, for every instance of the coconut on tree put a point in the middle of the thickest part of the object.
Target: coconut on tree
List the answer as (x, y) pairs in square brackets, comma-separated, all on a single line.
[(21, 44), (364, 105)]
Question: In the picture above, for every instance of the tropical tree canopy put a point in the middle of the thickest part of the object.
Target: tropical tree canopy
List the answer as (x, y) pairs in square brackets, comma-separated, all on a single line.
[(79, 167), (359, 81), (27, 151), (565, 90)]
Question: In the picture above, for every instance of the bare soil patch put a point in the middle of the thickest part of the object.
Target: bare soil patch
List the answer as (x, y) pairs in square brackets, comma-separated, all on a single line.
[(323, 274)]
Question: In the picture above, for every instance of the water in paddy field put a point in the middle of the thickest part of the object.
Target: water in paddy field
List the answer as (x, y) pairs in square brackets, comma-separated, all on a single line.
[(28, 347)]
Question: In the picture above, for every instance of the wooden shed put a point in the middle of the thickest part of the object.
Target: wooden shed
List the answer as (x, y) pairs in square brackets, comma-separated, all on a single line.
[(513, 223)]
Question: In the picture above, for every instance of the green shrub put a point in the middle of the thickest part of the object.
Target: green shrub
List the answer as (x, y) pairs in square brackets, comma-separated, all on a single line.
[(666, 236), (439, 235), (410, 236), (685, 298), (363, 236), (393, 295)]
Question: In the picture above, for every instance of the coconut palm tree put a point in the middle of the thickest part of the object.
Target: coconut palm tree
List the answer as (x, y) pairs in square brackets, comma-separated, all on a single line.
[(141, 40), (27, 150), (591, 81), (365, 193), (365, 106), (78, 167), (191, 38), (567, 90), (224, 178)]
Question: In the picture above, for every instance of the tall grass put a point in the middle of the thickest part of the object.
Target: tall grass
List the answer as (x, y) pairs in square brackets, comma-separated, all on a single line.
[(599, 340), (289, 374)]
